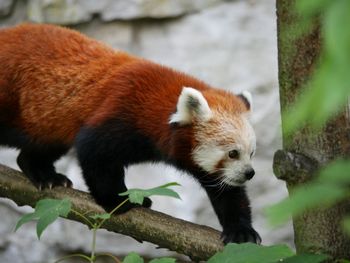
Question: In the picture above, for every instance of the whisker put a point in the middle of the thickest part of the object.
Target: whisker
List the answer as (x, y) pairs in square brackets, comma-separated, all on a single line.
[(217, 180)]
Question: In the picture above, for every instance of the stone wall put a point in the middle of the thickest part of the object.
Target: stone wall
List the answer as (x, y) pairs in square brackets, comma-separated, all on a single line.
[(229, 44)]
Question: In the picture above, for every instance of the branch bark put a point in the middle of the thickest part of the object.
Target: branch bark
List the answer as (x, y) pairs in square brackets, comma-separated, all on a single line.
[(196, 241)]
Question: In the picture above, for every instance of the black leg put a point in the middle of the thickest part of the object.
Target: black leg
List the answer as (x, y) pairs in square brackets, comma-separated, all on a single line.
[(37, 165), (103, 169), (105, 182), (12, 137), (232, 208)]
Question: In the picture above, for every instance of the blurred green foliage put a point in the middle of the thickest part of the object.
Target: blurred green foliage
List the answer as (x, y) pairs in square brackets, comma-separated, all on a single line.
[(135, 258), (253, 253), (327, 92), (331, 186), (248, 252)]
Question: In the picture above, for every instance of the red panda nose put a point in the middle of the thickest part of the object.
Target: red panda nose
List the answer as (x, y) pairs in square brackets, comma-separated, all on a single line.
[(249, 174)]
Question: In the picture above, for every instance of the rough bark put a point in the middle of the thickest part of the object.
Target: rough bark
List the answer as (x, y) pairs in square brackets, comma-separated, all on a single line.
[(196, 241), (305, 150)]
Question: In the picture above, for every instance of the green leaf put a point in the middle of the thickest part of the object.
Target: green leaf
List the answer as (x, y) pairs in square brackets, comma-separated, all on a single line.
[(305, 197), (25, 219), (251, 253), (346, 224), (46, 211), (133, 258), (306, 258), (163, 192), (137, 195), (169, 184), (337, 40), (163, 260), (329, 187), (337, 172), (44, 221), (311, 7), (61, 206), (100, 216)]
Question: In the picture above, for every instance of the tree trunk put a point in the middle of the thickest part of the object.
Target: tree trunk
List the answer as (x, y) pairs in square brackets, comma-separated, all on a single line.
[(304, 151)]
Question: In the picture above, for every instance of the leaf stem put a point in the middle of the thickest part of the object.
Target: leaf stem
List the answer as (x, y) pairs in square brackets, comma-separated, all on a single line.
[(115, 209), (83, 217), (93, 245)]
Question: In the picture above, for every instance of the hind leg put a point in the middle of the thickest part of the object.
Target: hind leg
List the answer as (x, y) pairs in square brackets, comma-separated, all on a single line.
[(12, 137), (35, 162), (37, 165)]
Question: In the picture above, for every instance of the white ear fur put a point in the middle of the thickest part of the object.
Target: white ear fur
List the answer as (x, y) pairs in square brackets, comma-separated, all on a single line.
[(191, 104), (246, 95)]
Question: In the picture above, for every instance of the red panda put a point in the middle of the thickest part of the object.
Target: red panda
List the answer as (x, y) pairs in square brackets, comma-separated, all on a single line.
[(60, 89)]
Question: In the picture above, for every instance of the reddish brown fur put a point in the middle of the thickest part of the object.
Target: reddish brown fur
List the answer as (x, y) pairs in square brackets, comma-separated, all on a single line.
[(54, 80)]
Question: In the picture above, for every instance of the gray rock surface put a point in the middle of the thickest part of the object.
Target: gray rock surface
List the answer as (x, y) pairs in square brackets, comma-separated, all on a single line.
[(5, 7), (153, 8), (65, 12), (231, 45)]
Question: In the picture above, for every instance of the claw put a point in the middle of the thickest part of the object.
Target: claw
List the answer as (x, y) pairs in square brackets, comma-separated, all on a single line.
[(69, 184), (51, 182), (138, 240), (242, 234), (259, 240)]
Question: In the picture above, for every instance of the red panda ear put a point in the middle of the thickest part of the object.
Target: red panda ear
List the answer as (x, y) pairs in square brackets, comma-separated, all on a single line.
[(246, 96), (191, 105)]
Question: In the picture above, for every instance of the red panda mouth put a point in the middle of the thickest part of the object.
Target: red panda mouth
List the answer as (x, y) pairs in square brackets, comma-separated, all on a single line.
[(234, 181), (219, 175)]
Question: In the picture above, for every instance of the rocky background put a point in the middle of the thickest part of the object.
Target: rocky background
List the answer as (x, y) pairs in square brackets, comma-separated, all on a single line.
[(229, 44)]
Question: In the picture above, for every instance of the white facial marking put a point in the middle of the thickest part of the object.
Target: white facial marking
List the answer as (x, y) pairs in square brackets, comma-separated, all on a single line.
[(208, 157), (217, 139), (191, 104)]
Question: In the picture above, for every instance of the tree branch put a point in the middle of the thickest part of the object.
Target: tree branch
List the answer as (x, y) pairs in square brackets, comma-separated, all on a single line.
[(293, 167), (197, 241)]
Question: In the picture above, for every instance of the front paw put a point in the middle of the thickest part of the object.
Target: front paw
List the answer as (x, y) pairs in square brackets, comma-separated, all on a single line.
[(147, 202), (240, 234)]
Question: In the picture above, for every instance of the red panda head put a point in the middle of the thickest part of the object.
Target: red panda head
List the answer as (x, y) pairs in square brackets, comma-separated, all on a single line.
[(224, 140)]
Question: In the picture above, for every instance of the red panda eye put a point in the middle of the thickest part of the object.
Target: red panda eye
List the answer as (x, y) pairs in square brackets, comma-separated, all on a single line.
[(234, 154), (251, 155)]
